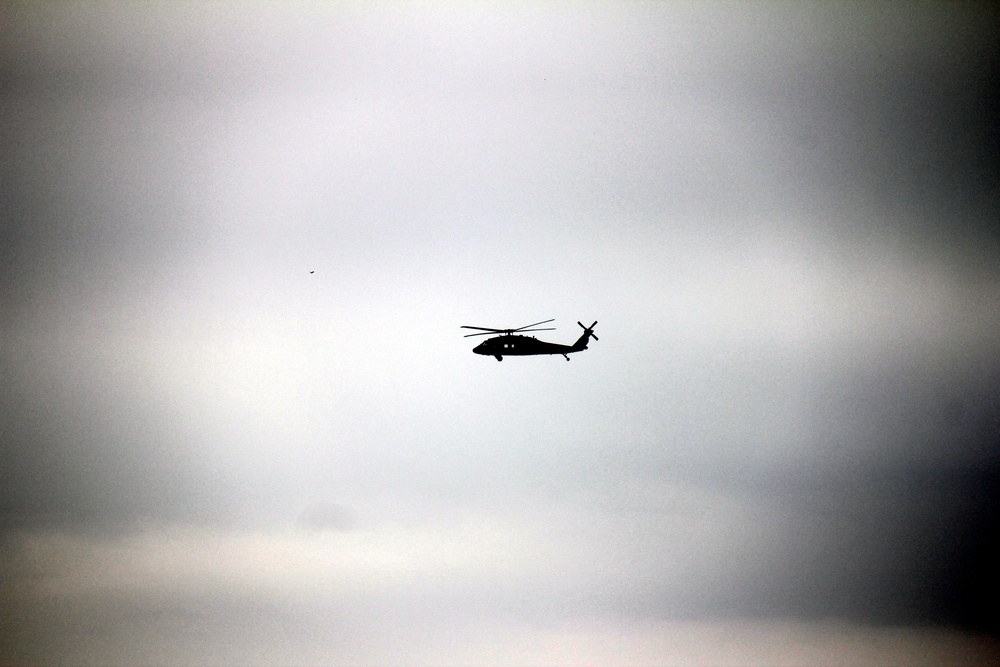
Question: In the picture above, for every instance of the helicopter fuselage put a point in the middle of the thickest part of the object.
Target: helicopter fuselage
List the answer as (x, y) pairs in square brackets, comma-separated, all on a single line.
[(500, 346)]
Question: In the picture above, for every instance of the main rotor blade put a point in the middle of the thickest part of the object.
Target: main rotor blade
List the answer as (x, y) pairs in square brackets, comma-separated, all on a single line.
[(528, 326), (465, 326), (505, 332)]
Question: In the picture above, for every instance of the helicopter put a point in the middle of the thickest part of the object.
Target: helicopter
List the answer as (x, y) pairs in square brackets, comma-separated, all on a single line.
[(510, 342)]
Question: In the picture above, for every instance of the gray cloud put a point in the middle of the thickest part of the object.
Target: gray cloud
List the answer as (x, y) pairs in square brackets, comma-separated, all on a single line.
[(238, 247)]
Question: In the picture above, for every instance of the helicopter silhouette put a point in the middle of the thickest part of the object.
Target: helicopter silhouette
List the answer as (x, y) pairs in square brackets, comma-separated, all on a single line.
[(510, 342)]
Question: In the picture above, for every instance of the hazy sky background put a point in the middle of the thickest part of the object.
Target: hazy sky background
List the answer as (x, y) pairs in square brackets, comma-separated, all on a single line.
[(782, 449)]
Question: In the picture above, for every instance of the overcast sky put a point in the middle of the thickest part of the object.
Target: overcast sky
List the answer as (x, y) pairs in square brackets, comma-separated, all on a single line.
[(239, 421)]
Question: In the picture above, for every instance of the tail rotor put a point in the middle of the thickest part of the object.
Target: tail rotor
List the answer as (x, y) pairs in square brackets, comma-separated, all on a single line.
[(589, 331)]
